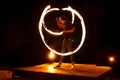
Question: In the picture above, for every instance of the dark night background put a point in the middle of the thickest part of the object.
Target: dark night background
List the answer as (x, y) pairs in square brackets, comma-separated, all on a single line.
[(21, 43)]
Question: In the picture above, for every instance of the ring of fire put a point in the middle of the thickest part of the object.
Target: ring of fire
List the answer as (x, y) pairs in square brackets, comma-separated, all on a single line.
[(42, 25)]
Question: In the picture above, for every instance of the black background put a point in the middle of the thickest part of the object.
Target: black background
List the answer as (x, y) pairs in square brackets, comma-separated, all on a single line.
[(21, 44)]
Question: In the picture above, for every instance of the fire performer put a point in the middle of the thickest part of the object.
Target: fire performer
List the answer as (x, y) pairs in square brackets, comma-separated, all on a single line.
[(66, 26)]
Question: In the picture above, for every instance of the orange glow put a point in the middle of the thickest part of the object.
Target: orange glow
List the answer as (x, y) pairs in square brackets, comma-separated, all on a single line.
[(111, 59), (51, 69), (51, 55)]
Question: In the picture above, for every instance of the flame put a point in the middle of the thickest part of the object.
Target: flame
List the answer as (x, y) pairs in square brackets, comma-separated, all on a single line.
[(41, 24), (111, 59), (51, 55)]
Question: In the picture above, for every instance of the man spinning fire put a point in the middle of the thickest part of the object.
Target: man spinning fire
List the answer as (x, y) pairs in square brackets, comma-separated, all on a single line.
[(64, 23)]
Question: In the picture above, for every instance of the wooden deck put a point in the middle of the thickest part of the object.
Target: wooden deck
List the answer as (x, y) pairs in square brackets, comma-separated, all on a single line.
[(48, 72)]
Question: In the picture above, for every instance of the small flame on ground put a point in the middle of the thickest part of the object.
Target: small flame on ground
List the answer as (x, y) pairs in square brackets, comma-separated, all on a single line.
[(111, 59), (51, 55)]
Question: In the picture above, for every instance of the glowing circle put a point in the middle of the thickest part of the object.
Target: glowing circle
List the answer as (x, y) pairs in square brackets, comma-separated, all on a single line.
[(42, 25)]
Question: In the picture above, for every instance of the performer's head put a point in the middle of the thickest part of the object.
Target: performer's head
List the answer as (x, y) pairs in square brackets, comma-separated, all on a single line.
[(61, 19), (63, 22)]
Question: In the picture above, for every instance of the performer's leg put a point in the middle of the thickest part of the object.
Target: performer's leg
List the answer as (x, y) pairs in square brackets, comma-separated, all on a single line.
[(72, 58), (72, 61), (69, 46), (60, 61), (62, 50)]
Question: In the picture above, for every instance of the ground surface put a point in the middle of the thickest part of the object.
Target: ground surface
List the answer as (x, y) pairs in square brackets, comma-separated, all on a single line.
[(81, 70)]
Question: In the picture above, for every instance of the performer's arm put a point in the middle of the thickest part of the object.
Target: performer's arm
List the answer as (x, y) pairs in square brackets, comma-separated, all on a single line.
[(70, 31)]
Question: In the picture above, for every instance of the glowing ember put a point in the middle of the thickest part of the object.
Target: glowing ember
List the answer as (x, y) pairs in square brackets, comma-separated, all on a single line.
[(42, 25)]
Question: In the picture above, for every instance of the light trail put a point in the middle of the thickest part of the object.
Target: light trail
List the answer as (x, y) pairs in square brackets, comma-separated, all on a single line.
[(41, 23)]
